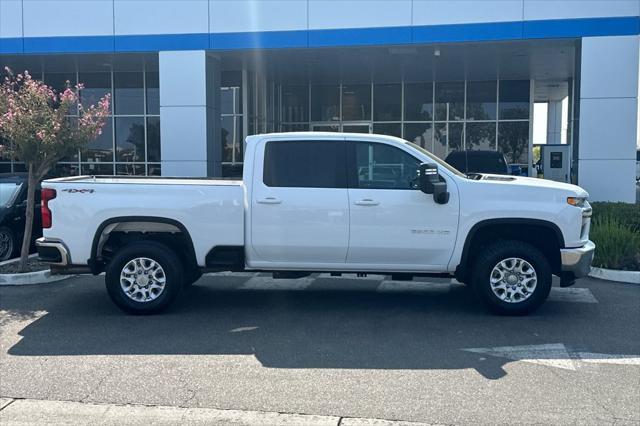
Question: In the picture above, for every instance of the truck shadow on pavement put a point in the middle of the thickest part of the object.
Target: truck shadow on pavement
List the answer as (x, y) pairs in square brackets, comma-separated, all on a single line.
[(289, 329)]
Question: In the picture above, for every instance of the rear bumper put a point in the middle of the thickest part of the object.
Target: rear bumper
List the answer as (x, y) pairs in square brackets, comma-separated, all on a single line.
[(577, 261), (52, 251)]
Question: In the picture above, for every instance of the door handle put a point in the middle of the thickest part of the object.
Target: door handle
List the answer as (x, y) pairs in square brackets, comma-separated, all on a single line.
[(366, 202), (269, 200)]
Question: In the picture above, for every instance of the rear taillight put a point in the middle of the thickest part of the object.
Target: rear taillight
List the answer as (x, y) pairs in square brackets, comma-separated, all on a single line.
[(47, 195)]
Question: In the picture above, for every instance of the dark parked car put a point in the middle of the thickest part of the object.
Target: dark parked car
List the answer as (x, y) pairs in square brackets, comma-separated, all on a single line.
[(13, 204), (479, 162)]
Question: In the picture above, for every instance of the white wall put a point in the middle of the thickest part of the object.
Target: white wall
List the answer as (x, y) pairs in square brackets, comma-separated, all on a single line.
[(189, 113), (608, 122)]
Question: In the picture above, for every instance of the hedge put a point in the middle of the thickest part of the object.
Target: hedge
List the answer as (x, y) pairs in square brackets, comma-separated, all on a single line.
[(615, 228)]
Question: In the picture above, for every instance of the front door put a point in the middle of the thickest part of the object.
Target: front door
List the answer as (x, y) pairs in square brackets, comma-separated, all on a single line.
[(394, 225), (300, 210)]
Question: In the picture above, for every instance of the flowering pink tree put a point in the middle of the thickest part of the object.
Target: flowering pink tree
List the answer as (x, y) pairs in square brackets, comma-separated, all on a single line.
[(37, 129)]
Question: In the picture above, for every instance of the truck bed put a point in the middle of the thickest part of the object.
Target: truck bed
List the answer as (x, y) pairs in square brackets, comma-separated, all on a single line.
[(210, 210)]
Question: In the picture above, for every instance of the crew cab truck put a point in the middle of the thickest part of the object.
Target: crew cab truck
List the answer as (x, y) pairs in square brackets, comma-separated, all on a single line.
[(321, 202)]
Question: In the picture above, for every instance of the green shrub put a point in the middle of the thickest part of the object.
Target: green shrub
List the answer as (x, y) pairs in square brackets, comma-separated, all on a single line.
[(625, 214), (617, 241)]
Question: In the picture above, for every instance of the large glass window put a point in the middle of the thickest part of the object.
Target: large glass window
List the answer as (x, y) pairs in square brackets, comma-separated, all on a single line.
[(381, 166), (481, 100), (481, 136), (513, 141), (152, 85), (418, 101), (514, 99), (356, 102), (96, 86), (305, 164), (129, 93), (420, 133), (101, 149), (325, 103), (449, 101), (130, 140), (295, 104), (387, 102)]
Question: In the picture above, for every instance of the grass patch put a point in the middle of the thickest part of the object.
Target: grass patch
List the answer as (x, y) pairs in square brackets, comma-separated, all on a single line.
[(615, 228)]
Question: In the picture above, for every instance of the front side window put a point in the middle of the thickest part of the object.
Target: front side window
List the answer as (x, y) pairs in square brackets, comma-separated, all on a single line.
[(305, 164), (381, 166)]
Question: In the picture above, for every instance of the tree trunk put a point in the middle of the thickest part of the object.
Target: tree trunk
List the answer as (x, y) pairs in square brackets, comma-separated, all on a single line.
[(28, 223)]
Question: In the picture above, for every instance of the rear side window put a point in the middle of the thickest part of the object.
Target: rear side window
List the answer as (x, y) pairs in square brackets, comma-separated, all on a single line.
[(305, 164)]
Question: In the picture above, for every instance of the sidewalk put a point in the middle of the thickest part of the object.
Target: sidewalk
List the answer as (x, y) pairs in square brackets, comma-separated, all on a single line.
[(32, 411)]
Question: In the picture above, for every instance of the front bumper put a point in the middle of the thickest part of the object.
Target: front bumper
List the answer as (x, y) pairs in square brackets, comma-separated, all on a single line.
[(52, 251), (577, 261)]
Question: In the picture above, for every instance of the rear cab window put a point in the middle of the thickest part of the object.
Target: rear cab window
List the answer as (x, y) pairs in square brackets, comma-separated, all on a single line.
[(305, 164)]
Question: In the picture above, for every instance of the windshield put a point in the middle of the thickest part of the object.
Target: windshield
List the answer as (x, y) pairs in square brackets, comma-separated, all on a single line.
[(8, 191), (438, 160)]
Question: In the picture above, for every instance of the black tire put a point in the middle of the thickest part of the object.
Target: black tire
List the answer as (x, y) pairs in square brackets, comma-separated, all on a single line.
[(164, 257), (7, 243), (191, 275), (491, 256)]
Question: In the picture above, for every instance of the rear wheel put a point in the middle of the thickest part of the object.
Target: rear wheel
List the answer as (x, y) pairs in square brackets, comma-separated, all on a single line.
[(144, 277), (512, 277)]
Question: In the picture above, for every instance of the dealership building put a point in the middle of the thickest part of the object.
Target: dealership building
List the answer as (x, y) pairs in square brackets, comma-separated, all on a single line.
[(553, 85)]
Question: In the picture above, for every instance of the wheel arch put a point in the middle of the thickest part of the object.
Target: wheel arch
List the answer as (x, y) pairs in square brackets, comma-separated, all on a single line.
[(548, 238), (145, 225)]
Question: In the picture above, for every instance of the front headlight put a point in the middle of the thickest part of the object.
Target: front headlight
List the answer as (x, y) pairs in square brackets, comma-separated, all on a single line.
[(577, 201)]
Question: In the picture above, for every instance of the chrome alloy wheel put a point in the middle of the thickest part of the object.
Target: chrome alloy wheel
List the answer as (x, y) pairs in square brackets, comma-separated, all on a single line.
[(513, 280), (142, 279)]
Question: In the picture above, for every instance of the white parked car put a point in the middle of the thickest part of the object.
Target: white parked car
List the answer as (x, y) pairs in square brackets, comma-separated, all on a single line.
[(321, 202)]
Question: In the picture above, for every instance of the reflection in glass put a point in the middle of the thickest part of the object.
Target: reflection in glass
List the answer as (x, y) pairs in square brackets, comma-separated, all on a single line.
[(63, 170), (294, 127), (96, 86), (387, 102), (514, 99), (513, 141), (129, 95), (153, 139), (154, 170), (295, 103), (356, 102), (440, 140), (228, 138), (227, 95), (326, 128), (418, 101), (391, 129), (153, 92), (420, 134), (356, 128), (449, 101), (325, 103), (130, 169), (130, 139), (481, 136), (97, 169), (455, 140), (481, 100), (101, 149)]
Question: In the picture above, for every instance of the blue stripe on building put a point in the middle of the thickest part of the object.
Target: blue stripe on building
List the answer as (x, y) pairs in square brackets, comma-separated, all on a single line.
[(519, 30)]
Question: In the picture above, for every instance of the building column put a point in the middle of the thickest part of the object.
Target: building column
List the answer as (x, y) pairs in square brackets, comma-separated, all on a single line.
[(554, 122), (190, 113), (608, 122)]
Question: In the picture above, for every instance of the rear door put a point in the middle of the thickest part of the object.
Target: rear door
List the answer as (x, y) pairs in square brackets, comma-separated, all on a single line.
[(299, 202)]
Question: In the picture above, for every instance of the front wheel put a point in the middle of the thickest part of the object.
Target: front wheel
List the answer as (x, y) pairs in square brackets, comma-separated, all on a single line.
[(512, 277), (144, 277), (7, 243)]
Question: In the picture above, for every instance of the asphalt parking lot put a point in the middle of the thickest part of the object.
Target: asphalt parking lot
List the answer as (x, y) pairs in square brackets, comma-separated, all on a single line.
[(330, 346)]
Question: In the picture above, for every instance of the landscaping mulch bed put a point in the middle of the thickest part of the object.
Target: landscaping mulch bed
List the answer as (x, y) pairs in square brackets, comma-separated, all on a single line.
[(33, 265)]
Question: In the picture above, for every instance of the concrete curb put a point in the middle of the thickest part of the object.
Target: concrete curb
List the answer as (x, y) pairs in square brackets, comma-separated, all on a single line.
[(630, 277), (28, 278)]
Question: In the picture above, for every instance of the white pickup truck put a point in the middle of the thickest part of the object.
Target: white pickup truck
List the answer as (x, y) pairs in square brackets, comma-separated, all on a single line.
[(321, 202)]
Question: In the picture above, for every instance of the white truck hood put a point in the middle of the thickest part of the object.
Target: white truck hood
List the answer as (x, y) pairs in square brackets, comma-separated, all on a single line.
[(529, 182)]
